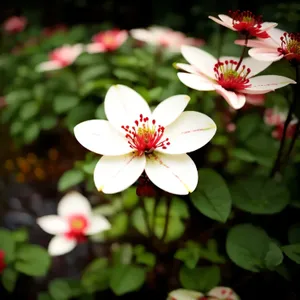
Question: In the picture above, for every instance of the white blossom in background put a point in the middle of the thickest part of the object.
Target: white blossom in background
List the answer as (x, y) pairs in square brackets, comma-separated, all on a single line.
[(73, 223), (61, 57), (164, 37), (229, 78), (134, 140)]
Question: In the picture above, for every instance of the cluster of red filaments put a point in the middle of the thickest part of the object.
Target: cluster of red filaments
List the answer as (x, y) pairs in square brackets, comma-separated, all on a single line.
[(230, 77), (77, 227), (248, 24), (290, 46), (145, 136)]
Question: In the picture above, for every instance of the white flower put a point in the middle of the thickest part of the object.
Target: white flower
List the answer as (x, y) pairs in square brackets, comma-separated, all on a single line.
[(73, 222), (135, 139)]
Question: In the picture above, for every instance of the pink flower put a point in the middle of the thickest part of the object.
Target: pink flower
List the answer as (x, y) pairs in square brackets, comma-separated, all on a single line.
[(246, 23), (107, 41), (61, 58), (73, 223), (222, 75), (279, 45), (164, 37), (2, 261), (15, 24), (275, 117)]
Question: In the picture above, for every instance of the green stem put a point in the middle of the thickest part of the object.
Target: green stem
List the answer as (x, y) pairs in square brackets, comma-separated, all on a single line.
[(146, 216), (167, 219)]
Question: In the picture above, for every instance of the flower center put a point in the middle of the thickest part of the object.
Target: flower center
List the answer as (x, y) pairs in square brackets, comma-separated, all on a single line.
[(290, 46), (145, 136), (229, 78), (247, 23), (78, 225)]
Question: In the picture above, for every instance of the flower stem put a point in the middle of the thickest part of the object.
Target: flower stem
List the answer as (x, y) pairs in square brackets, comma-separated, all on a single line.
[(169, 199), (243, 53), (146, 216), (276, 166)]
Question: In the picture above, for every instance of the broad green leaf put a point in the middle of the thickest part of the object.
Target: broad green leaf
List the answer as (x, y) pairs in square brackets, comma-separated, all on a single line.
[(122, 254), (259, 195), (70, 179), (247, 125), (127, 278), (32, 260), (9, 278), (212, 197), (59, 289), (17, 97), (7, 244), (119, 225), (294, 234), (29, 110), (44, 296), (92, 72), (292, 252), (146, 258), (31, 132), (189, 255), (100, 113), (126, 74), (243, 155), (130, 198), (96, 275), (200, 279), (254, 254), (48, 122), (20, 235), (63, 103)]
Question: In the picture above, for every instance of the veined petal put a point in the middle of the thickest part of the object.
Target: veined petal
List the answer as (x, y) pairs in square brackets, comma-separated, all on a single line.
[(196, 82), (60, 245), (176, 174), (222, 23), (235, 99), (73, 203), (48, 66), (182, 294), (114, 174), (170, 109), (53, 224), (190, 131), (223, 293), (255, 66), (97, 224), (267, 82), (201, 59), (267, 26), (187, 68), (265, 54), (123, 106), (101, 137)]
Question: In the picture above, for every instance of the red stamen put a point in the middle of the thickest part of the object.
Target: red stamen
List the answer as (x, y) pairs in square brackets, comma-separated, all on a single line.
[(290, 46)]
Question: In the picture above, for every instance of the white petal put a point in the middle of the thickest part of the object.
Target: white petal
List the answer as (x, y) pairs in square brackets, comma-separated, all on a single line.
[(94, 48), (196, 82), (235, 100), (182, 294), (187, 68), (73, 203), (226, 19), (223, 293), (255, 66), (114, 174), (48, 66), (97, 224), (176, 174), (268, 82), (123, 106), (142, 35), (201, 59), (222, 23), (265, 54), (275, 35), (53, 224), (60, 245), (101, 137), (170, 109), (190, 131), (267, 26), (252, 43)]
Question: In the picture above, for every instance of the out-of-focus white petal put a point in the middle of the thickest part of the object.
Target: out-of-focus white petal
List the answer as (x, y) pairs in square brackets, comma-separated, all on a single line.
[(223, 293), (97, 224), (176, 174), (48, 66), (196, 82), (182, 294), (123, 106), (73, 203), (94, 48), (53, 224), (188, 68), (60, 245), (101, 137), (170, 109), (190, 131), (114, 174), (221, 22)]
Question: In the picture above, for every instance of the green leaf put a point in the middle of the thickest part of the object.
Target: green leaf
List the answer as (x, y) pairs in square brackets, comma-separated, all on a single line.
[(8, 245), (243, 155), (247, 125), (292, 252), (44, 296), (20, 235), (17, 97), (70, 179), (146, 258), (123, 254), (127, 278), (294, 234), (96, 275), (31, 132), (59, 289), (119, 225), (259, 195), (255, 253), (92, 72), (100, 113), (63, 103), (212, 197), (126, 74), (48, 122), (29, 110), (130, 198), (200, 279), (189, 255), (32, 260), (9, 278)]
